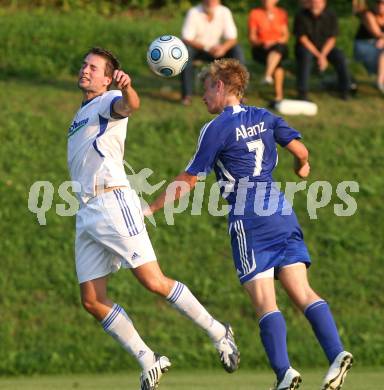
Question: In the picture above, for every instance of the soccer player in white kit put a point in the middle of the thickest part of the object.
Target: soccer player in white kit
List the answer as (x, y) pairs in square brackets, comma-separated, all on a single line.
[(110, 230)]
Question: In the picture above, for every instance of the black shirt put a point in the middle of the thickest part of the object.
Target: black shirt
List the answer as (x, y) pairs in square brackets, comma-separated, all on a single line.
[(317, 28), (363, 32)]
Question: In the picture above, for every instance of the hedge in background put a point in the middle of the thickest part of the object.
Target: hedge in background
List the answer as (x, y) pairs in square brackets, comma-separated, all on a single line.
[(45, 43), (112, 6)]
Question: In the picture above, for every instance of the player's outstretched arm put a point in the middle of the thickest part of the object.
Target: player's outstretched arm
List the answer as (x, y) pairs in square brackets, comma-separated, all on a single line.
[(184, 182), (301, 154), (130, 101)]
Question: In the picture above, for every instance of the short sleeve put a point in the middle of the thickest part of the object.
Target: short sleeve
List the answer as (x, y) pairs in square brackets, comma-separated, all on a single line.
[(333, 24), (284, 17), (230, 30), (106, 104), (188, 31), (207, 151), (253, 19), (299, 25), (283, 133)]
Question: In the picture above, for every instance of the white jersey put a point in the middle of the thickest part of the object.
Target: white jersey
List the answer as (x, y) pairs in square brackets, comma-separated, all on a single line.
[(96, 146), (198, 28)]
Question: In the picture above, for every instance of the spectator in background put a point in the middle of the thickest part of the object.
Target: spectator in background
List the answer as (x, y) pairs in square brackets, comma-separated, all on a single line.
[(304, 3), (316, 29), (369, 41), (268, 35), (359, 6), (209, 32)]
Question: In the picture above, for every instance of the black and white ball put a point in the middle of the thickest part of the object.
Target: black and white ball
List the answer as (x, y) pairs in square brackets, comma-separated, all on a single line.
[(167, 56)]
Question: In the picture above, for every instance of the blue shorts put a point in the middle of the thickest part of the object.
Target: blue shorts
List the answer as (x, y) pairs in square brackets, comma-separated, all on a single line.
[(365, 51), (256, 249)]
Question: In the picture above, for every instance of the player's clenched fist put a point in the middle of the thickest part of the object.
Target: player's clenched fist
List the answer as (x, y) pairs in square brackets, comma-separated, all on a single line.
[(303, 171), (121, 79)]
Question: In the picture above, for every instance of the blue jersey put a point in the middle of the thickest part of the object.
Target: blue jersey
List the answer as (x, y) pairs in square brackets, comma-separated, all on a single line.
[(240, 144)]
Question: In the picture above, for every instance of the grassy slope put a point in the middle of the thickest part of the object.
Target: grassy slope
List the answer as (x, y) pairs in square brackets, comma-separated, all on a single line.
[(43, 328)]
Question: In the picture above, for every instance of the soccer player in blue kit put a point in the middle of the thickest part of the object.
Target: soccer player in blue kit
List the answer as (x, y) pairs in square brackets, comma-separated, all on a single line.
[(110, 229), (266, 238)]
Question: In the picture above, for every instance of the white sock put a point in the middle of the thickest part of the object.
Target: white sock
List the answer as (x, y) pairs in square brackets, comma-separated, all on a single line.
[(183, 300), (117, 324)]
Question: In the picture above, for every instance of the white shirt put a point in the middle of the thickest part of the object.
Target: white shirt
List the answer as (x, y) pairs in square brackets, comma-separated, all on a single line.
[(96, 146), (196, 26)]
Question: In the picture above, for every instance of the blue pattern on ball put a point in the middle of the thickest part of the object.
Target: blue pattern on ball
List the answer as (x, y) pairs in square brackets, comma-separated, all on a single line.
[(176, 53), (155, 54), (167, 72), (165, 38)]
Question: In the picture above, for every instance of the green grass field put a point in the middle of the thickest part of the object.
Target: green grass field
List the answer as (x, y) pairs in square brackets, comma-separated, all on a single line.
[(44, 330), (367, 379)]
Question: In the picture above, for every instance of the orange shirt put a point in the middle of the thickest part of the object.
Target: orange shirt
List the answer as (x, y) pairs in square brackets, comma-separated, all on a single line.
[(269, 27)]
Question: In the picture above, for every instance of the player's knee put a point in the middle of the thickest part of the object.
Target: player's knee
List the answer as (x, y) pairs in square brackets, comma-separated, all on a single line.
[(90, 305), (306, 297), (158, 286)]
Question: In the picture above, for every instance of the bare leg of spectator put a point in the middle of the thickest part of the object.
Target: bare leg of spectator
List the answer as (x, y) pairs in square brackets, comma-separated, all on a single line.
[(380, 73), (279, 83), (273, 60)]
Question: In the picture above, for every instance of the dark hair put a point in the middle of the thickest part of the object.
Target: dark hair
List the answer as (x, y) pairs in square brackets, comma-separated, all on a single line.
[(112, 63)]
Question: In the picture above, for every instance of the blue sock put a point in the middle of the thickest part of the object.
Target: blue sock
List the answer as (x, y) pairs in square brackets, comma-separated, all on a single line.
[(273, 333), (323, 324)]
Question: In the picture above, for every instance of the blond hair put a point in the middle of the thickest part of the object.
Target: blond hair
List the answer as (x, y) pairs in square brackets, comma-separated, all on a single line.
[(231, 72), (359, 6)]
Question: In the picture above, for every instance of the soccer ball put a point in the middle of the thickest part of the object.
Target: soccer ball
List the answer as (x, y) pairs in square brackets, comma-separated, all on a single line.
[(167, 56)]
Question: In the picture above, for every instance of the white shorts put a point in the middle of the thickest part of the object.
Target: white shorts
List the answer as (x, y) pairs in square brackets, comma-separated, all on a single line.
[(270, 272), (110, 233)]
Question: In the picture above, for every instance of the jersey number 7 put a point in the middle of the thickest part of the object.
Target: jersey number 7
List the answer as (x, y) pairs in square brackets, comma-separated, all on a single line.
[(257, 146)]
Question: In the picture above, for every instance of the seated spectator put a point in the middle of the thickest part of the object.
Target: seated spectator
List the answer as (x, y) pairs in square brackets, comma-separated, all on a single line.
[(304, 3), (369, 41), (316, 29), (268, 35), (209, 32), (359, 6)]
